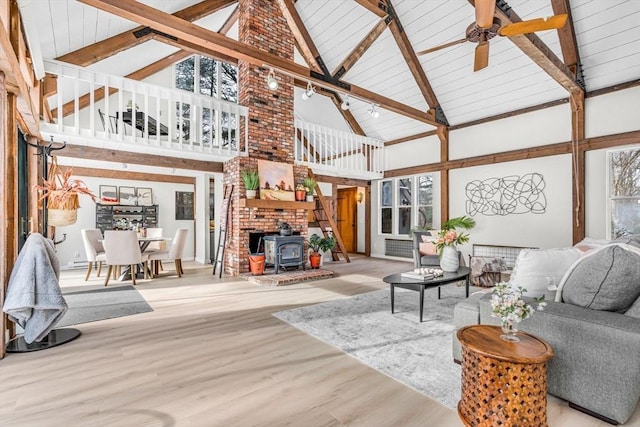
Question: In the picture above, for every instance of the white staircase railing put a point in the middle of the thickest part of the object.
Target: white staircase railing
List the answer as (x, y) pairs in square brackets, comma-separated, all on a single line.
[(338, 152), (90, 104)]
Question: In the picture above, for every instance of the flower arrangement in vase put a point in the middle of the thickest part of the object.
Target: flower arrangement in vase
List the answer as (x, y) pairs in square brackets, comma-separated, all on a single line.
[(448, 238), (300, 193), (507, 305)]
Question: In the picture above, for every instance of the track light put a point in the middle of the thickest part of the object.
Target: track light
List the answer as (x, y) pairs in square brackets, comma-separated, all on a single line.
[(272, 83), (373, 110), (309, 92), (345, 103)]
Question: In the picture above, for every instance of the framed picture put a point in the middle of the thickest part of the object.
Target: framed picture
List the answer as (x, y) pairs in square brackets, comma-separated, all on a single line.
[(128, 196), (145, 196), (276, 180), (184, 205), (108, 194)]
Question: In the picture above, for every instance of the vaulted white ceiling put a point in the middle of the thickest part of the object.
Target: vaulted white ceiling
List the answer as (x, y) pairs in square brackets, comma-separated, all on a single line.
[(607, 32)]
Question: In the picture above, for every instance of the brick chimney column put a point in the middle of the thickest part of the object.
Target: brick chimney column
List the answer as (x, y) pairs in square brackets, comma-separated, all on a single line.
[(270, 128)]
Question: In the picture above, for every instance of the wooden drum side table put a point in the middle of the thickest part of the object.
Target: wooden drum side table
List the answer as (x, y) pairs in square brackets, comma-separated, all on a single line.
[(503, 383)]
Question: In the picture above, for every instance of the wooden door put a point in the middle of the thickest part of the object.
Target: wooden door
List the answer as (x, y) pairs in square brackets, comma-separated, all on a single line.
[(347, 220)]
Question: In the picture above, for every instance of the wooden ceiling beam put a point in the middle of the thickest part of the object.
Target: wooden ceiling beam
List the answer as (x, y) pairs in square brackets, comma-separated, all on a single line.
[(376, 6), (119, 156), (409, 54), (103, 49), (361, 48), (231, 21), (534, 48), (192, 33), (597, 143), (305, 43), (131, 176), (568, 41)]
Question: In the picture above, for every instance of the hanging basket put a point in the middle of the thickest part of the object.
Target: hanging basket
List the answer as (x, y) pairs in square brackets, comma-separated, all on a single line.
[(62, 208)]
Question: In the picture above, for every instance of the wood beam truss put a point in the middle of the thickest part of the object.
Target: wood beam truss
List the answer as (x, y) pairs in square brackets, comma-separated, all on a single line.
[(211, 41), (104, 49), (568, 41)]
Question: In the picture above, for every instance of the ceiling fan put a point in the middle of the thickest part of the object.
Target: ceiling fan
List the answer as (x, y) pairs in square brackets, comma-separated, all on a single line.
[(487, 26)]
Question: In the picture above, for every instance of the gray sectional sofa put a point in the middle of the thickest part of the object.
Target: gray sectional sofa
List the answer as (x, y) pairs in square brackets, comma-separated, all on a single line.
[(594, 333)]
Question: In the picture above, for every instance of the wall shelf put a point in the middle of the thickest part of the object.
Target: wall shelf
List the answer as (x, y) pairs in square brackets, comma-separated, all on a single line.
[(275, 204)]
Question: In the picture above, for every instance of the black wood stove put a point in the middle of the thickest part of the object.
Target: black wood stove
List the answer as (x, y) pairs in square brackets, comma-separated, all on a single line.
[(284, 251)]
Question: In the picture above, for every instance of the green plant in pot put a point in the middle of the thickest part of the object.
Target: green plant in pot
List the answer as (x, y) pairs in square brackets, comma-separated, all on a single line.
[(300, 193), (251, 182), (310, 185), (317, 245)]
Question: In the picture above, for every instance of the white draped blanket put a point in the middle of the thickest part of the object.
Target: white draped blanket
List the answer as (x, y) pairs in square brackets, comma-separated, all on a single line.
[(34, 299)]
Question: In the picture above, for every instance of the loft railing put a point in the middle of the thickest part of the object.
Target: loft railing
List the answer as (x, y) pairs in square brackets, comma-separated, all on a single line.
[(90, 104), (338, 152)]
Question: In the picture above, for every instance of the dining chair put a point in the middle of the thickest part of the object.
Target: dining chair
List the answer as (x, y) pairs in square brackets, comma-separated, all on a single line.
[(122, 248), (94, 249), (174, 253), (156, 246)]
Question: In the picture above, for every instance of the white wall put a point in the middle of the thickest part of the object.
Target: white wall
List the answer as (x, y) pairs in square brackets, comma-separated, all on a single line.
[(164, 197), (604, 115)]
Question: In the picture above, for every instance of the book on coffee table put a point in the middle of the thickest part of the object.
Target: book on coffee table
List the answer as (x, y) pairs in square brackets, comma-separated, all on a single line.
[(418, 276)]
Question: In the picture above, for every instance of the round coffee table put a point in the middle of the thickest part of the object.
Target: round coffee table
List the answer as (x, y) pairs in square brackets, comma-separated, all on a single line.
[(397, 280), (503, 383)]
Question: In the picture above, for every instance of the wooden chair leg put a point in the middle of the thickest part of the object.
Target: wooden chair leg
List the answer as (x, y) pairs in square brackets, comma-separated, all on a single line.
[(145, 265), (106, 279), (133, 274), (160, 265), (177, 262), (88, 271), (99, 268), (181, 269)]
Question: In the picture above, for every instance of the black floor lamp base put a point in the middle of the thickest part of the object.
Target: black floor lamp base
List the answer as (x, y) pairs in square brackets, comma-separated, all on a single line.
[(55, 337)]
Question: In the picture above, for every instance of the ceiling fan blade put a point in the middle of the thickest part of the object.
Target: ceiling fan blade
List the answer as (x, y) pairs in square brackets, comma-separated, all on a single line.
[(485, 10), (533, 25), (481, 59), (442, 46)]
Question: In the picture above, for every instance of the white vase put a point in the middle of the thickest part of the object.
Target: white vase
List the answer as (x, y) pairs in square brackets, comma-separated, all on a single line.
[(449, 260), (310, 198), (251, 194)]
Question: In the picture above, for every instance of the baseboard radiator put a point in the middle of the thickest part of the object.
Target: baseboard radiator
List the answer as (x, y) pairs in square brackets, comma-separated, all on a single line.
[(398, 248)]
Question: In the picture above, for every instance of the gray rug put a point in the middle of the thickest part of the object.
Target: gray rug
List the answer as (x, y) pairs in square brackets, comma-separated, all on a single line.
[(104, 303), (415, 354)]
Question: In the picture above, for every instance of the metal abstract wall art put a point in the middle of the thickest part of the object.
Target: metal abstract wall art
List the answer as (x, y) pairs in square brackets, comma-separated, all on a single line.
[(504, 196)]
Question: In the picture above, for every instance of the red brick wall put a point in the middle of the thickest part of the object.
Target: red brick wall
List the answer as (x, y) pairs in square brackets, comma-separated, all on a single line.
[(262, 25), (270, 129)]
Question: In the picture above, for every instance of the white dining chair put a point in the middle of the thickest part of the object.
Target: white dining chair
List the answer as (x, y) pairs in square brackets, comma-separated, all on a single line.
[(122, 248), (173, 254), (94, 249), (156, 246)]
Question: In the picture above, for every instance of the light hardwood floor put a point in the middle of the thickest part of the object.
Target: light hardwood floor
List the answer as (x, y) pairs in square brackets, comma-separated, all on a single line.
[(211, 354)]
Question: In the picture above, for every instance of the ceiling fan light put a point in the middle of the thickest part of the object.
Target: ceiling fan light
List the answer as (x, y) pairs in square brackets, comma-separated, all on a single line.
[(272, 83)]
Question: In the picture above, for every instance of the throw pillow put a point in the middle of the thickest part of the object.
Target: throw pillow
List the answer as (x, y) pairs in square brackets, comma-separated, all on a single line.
[(536, 269), (605, 279), (588, 244), (427, 248)]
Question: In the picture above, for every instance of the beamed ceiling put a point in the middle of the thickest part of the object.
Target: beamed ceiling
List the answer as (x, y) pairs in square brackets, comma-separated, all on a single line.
[(369, 47)]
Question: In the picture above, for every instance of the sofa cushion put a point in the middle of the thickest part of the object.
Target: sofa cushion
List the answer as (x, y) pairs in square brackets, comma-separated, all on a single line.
[(633, 240), (427, 247), (535, 269), (604, 279), (634, 310)]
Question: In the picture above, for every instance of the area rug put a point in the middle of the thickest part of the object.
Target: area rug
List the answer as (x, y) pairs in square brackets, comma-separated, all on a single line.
[(103, 303), (415, 354)]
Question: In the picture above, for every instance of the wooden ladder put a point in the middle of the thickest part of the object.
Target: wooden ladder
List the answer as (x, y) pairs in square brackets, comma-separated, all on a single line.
[(325, 221), (222, 230)]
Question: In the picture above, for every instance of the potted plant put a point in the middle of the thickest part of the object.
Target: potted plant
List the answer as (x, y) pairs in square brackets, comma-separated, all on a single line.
[(61, 193), (300, 193), (448, 238), (317, 245), (251, 182), (310, 186)]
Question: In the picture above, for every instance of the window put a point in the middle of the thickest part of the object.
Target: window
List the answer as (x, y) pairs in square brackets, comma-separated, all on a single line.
[(624, 193), (208, 77), (409, 206)]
